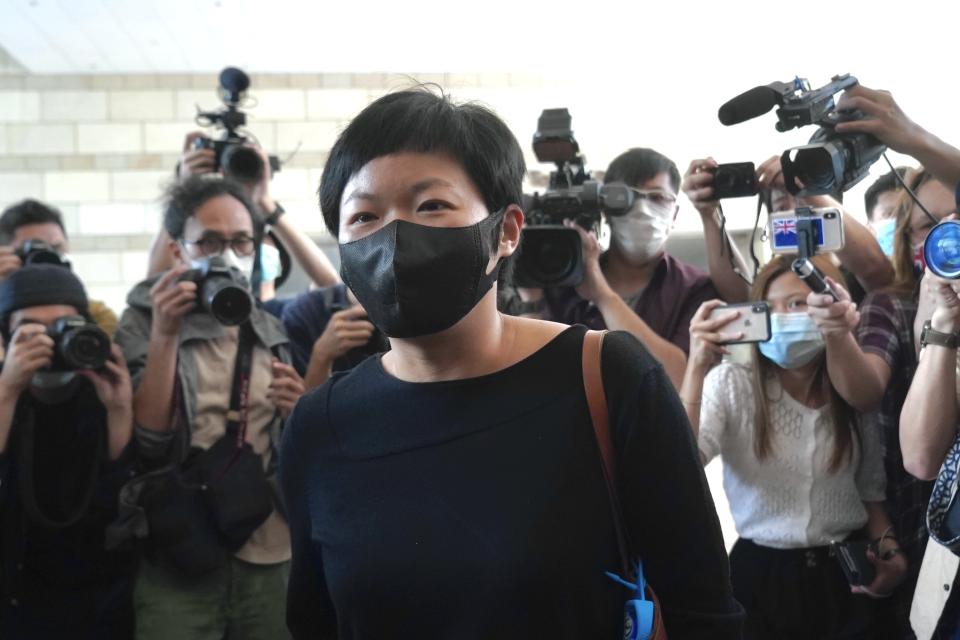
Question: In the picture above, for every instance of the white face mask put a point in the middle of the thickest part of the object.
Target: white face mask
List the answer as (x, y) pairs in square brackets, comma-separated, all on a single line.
[(243, 263), (641, 233)]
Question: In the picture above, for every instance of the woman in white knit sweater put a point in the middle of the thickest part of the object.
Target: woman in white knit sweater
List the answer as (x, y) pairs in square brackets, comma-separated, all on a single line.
[(798, 472)]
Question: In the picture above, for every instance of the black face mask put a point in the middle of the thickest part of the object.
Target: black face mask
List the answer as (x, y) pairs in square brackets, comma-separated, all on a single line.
[(415, 280)]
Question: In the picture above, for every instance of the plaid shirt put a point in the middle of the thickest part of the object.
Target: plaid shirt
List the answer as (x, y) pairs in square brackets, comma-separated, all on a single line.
[(886, 330)]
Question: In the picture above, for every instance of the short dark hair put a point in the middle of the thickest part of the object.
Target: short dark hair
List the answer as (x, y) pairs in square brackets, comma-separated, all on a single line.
[(883, 184), (27, 212), (638, 165), (420, 121), (183, 198)]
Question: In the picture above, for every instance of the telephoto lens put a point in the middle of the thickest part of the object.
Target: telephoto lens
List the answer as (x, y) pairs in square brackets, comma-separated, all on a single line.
[(941, 250), (224, 293)]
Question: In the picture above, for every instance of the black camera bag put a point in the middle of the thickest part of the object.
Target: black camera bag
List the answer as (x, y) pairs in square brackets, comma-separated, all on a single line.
[(205, 509)]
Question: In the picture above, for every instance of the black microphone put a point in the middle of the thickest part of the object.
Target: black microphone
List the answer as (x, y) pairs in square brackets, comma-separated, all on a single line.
[(234, 82), (747, 105)]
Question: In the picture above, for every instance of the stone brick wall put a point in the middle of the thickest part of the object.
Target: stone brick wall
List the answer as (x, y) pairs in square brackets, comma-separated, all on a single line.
[(100, 147)]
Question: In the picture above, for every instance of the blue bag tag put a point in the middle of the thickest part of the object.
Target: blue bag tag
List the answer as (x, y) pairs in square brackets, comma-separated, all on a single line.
[(638, 611)]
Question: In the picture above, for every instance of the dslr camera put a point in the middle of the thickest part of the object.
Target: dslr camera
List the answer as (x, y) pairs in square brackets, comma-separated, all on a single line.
[(39, 252), (222, 291), (78, 344), (232, 152), (550, 253), (832, 162)]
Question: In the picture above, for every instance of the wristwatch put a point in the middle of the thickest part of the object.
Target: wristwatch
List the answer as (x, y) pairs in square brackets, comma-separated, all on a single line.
[(271, 220), (932, 336)]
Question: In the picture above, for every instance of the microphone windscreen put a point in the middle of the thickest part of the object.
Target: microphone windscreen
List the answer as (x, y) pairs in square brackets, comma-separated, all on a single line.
[(747, 105), (234, 80)]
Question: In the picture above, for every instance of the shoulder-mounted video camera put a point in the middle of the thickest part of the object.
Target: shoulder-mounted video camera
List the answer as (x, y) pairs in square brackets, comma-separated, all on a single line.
[(232, 152), (550, 253), (832, 162)]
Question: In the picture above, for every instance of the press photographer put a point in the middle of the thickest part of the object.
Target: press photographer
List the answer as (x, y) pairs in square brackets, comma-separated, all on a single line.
[(66, 419), (32, 232), (636, 286), (237, 155), (213, 385)]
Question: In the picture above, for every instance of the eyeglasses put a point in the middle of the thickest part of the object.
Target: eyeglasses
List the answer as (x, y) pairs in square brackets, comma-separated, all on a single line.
[(656, 196), (211, 246)]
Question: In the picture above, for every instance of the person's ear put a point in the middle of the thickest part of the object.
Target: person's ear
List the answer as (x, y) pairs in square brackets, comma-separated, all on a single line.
[(676, 210), (510, 231), (176, 250)]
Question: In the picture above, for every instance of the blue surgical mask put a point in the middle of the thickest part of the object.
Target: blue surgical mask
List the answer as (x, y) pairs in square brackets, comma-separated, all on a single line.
[(270, 265), (794, 341), (885, 232)]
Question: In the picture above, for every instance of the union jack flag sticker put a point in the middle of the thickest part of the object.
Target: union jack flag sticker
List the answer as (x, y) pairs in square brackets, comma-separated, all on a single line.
[(785, 226)]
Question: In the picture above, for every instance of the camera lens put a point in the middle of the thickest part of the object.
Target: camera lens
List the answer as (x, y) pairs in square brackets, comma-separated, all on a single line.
[(941, 250), (231, 305), (242, 163), (813, 166), (85, 348), (227, 301), (550, 256)]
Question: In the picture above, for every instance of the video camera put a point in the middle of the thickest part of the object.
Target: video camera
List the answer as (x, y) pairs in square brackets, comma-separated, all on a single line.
[(39, 252), (222, 291), (550, 253), (78, 344), (232, 152), (832, 162)]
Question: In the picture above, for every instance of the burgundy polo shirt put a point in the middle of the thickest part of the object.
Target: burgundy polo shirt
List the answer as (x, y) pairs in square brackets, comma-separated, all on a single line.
[(667, 305)]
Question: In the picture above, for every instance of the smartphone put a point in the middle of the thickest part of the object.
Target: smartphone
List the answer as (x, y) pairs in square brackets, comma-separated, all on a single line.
[(734, 180), (827, 230), (753, 322), (853, 560)]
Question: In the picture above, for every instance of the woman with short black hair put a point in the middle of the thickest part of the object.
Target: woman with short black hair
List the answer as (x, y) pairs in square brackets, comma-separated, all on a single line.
[(452, 487)]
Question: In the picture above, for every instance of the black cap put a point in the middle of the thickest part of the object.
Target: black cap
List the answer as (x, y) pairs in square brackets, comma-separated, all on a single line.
[(38, 285)]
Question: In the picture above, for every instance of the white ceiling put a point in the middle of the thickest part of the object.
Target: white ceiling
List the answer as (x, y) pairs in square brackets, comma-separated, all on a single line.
[(578, 38)]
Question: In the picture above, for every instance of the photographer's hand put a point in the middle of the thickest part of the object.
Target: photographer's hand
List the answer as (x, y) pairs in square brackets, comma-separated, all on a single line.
[(770, 175), (706, 338), (594, 285), (286, 388), (172, 299), (860, 378), (698, 185), (706, 350), (9, 261), (835, 319), (347, 329), (30, 350), (887, 121), (945, 295), (723, 257), (195, 162), (115, 391)]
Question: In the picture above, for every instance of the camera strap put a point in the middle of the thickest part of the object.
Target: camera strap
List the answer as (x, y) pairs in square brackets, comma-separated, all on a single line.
[(238, 412), (27, 480)]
